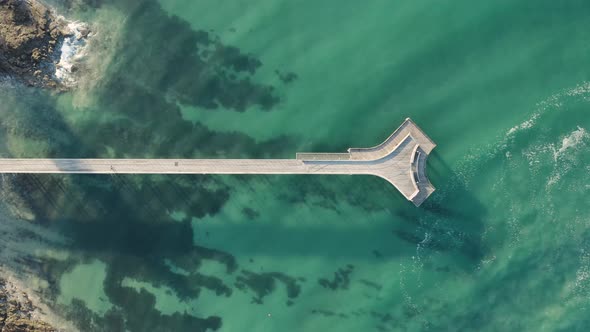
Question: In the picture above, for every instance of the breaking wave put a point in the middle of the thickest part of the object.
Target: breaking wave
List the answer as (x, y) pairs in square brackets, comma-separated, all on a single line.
[(571, 141), (554, 102), (73, 49)]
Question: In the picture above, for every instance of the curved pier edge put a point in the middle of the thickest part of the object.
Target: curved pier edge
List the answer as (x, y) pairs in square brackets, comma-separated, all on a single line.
[(419, 187), (420, 178), (401, 160)]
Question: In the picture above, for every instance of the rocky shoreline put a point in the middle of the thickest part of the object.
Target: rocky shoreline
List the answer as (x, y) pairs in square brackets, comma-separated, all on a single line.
[(17, 312), (31, 37), (31, 40)]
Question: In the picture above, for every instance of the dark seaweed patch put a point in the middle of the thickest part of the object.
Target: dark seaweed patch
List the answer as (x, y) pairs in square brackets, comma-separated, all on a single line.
[(341, 279), (377, 254), (193, 67), (124, 220), (286, 77), (371, 284), (263, 284), (141, 314), (250, 213)]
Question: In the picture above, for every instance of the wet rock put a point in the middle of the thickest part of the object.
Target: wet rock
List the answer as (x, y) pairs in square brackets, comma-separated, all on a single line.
[(36, 55), (28, 33), (17, 312)]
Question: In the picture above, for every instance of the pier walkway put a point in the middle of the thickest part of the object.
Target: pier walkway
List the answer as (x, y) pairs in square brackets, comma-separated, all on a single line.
[(401, 160)]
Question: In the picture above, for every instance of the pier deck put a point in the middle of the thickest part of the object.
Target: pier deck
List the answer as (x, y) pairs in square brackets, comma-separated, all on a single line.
[(401, 160)]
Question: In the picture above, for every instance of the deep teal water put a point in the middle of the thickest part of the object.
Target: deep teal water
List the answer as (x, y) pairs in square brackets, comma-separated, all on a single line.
[(502, 245)]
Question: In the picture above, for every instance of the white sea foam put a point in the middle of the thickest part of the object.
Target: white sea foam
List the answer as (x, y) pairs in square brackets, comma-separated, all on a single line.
[(582, 282), (72, 50), (525, 125), (566, 149), (100, 51), (581, 89), (574, 139), (562, 156), (552, 103)]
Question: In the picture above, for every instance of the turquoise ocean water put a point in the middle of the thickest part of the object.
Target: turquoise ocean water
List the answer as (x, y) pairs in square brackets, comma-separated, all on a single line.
[(503, 88)]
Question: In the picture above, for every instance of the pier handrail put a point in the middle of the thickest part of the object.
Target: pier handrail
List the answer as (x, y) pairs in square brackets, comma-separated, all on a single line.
[(414, 171), (399, 164)]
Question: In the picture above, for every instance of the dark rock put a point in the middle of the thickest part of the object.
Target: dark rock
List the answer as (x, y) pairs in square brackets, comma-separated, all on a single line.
[(16, 313), (28, 32)]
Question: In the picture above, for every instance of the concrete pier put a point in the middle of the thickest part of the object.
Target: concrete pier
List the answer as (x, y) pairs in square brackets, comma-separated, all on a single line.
[(400, 159)]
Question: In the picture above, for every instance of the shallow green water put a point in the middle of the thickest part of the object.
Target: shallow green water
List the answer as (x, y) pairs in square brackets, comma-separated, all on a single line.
[(502, 245)]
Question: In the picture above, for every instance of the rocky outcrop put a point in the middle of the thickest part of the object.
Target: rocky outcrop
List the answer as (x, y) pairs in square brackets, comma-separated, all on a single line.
[(29, 37), (17, 312)]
